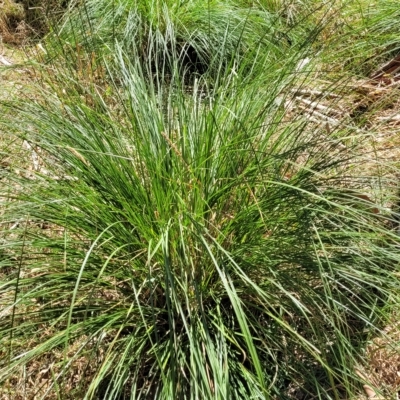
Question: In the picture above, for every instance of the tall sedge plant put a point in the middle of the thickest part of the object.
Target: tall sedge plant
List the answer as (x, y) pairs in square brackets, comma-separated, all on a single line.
[(186, 244), (191, 31)]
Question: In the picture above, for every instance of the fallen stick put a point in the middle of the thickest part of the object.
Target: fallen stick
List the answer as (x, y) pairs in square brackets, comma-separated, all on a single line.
[(390, 118), (389, 68), (320, 107), (322, 117), (311, 93), (4, 61)]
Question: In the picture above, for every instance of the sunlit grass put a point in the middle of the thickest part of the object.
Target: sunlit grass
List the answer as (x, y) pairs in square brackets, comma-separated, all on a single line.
[(187, 241)]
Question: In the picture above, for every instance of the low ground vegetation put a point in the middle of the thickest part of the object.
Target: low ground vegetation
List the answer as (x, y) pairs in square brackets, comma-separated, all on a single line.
[(24, 20), (204, 205)]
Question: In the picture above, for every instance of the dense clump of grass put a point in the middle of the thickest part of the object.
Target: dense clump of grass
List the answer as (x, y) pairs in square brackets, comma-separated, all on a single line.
[(185, 244), (156, 31)]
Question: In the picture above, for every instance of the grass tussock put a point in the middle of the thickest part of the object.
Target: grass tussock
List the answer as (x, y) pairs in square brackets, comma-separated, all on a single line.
[(202, 37), (188, 233)]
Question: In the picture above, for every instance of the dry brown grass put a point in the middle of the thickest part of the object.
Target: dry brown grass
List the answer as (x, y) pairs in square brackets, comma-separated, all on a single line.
[(23, 20), (383, 356), (13, 28)]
